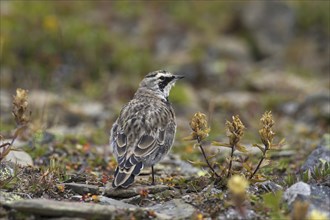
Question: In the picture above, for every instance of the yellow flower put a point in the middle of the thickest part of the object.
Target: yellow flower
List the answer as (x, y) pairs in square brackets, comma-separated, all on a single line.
[(237, 184), (50, 23), (317, 215)]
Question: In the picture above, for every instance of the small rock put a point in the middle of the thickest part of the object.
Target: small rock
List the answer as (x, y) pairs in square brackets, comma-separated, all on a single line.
[(173, 162), (300, 188), (82, 189), (322, 152), (233, 214), (176, 208), (19, 157), (317, 196), (116, 203), (132, 191)]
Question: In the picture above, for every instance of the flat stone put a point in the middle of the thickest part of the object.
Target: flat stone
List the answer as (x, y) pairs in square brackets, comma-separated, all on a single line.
[(133, 191), (46, 207), (116, 203), (51, 208), (176, 208), (82, 189)]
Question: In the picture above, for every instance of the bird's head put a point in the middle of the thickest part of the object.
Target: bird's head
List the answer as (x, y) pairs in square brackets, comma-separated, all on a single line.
[(160, 82)]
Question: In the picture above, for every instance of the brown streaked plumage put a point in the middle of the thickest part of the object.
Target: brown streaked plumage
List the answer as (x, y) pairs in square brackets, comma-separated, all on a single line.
[(145, 129)]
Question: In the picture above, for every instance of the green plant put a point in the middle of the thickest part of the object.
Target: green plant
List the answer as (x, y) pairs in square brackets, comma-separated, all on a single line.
[(273, 201)]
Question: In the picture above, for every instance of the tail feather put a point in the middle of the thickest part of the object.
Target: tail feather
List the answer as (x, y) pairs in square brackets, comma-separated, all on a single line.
[(125, 177)]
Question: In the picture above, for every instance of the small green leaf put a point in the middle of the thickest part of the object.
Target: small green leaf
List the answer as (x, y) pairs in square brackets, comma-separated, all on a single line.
[(273, 200), (306, 176)]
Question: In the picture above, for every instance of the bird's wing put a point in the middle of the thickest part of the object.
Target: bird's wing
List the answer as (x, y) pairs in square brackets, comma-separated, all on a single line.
[(131, 149)]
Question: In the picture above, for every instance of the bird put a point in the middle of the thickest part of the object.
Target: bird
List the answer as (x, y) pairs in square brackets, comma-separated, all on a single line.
[(145, 128)]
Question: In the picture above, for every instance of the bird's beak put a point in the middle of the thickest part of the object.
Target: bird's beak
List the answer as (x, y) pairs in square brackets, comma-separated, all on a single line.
[(177, 77)]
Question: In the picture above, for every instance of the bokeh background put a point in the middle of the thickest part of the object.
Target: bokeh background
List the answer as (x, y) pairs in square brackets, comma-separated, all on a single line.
[(82, 60)]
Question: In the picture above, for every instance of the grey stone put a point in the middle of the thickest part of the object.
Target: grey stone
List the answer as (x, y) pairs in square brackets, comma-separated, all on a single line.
[(132, 191), (82, 189), (300, 188), (322, 152), (65, 210), (318, 197), (175, 163), (116, 203), (234, 214), (176, 208), (19, 157), (51, 208)]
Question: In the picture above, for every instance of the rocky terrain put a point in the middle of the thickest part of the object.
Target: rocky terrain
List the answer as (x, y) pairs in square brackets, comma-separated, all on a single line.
[(81, 62)]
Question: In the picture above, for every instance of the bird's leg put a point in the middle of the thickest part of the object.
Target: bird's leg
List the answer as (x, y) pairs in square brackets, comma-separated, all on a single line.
[(153, 175)]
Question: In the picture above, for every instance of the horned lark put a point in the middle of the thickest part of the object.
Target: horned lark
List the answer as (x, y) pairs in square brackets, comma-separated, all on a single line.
[(145, 129)]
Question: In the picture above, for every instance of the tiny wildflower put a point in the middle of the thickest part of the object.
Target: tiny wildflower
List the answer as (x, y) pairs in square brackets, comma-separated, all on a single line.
[(237, 184), (266, 132), (50, 23), (201, 130), (266, 135), (235, 130), (199, 126), (20, 105), (317, 215)]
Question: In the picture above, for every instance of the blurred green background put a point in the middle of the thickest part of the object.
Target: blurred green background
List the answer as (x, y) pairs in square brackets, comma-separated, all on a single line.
[(47, 44), (239, 57)]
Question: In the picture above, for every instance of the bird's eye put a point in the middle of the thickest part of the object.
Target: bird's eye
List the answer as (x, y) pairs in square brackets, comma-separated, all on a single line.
[(162, 77)]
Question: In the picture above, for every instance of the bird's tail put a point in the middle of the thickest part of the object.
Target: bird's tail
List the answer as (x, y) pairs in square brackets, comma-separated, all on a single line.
[(124, 177)]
